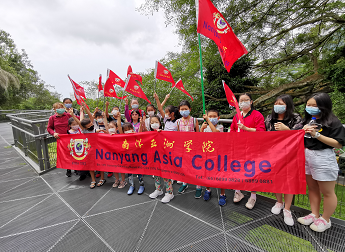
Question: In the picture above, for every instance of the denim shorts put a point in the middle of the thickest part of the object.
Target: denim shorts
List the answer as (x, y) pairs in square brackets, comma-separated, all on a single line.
[(321, 164)]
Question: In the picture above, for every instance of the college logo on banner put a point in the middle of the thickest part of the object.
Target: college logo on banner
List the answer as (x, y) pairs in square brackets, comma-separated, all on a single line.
[(219, 22), (79, 148)]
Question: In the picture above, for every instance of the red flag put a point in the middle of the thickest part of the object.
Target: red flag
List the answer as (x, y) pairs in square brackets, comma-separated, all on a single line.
[(100, 88), (79, 89), (162, 73), (212, 24), (113, 79), (133, 88), (232, 101), (134, 76), (180, 86)]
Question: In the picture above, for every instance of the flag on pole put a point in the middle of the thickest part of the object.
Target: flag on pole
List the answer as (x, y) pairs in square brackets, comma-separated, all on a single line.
[(77, 89), (100, 88), (232, 101), (179, 85), (113, 79), (162, 73), (134, 76), (211, 23), (133, 88)]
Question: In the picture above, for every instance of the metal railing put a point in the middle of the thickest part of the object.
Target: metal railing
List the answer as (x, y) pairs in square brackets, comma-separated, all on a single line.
[(31, 138)]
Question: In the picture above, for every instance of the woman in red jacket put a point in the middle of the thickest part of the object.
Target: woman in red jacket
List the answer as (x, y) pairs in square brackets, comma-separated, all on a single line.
[(253, 121)]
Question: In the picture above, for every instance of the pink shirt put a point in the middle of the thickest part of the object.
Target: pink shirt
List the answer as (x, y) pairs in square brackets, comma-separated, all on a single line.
[(254, 119), (58, 124)]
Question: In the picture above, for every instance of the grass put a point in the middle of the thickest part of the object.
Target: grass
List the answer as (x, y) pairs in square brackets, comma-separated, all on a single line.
[(7, 147)]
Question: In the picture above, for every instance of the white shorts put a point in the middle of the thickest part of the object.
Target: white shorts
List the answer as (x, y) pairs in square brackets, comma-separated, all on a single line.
[(321, 164)]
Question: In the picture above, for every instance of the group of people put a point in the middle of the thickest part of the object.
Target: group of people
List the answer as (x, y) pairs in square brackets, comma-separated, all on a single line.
[(321, 167)]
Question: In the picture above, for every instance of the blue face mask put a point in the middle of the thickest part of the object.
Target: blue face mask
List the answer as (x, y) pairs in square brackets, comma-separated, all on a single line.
[(135, 106), (60, 111), (184, 113), (280, 109), (214, 121), (68, 105), (312, 110)]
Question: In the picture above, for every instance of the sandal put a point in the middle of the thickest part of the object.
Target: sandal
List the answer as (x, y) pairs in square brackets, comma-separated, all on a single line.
[(122, 184), (93, 184), (101, 182), (116, 184)]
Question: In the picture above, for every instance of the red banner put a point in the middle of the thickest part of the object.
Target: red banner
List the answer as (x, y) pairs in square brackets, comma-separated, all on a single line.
[(162, 73), (256, 161), (213, 25)]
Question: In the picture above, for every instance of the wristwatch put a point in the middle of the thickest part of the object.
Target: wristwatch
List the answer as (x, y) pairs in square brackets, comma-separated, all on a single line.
[(317, 134)]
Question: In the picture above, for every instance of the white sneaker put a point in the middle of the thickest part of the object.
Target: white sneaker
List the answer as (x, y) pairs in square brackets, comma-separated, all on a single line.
[(320, 225), (251, 203), (167, 197), (277, 208), (238, 197), (307, 220), (288, 218), (179, 182), (155, 194)]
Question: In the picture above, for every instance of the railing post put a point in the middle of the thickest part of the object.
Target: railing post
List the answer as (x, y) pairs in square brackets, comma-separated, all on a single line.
[(45, 153)]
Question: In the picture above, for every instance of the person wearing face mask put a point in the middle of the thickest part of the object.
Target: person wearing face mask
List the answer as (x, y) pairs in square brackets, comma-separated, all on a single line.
[(321, 166), (58, 124), (115, 112), (155, 125), (187, 123), (67, 102), (211, 125), (171, 114), (253, 121), (281, 118), (135, 107), (127, 128)]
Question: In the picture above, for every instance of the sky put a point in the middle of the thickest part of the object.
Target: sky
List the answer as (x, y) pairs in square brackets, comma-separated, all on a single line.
[(83, 38)]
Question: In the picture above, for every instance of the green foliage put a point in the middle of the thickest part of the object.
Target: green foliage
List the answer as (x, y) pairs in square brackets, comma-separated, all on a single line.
[(25, 89)]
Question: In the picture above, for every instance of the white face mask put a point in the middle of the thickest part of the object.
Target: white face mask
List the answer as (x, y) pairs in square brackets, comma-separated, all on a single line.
[(129, 131), (115, 112), (167, 116), (75, 127), (151, 113), (112, 130), (245, 105), (100, 120), (155, 126)]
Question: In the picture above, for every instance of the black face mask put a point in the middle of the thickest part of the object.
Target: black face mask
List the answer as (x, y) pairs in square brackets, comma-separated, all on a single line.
[(91, 128)]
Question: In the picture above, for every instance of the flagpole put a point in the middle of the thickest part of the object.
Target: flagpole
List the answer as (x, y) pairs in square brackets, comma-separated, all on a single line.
[(202, 76)]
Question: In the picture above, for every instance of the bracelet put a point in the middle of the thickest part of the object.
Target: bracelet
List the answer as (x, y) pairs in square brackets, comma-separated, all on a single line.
[(317, 135)]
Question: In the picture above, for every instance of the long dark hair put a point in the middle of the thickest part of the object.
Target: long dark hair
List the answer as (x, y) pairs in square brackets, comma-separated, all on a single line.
[(173, 109), (184, 103), (324, 103), (250, 97), (287, 99), (159, 120), (137, 112)]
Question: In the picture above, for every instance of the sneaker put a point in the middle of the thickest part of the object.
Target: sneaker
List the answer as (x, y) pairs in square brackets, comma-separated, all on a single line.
[(307, 220), (251, 203), (238, 197), (68, 173), (277, 208), (122, 184), (98, 174), (288, 217), (179, 182), (222, 200), (198, 193), (116, 184), (167, 197), (141, 189), (110, 174), (320, 225), (207, 195), (130, 190), (182, 188), (155, 194)]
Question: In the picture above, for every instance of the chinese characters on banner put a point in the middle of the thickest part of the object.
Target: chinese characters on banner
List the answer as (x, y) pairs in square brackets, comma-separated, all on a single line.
[(260, 161)]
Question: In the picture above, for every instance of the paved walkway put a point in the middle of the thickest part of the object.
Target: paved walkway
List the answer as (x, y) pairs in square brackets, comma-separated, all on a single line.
[(56, 213)]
